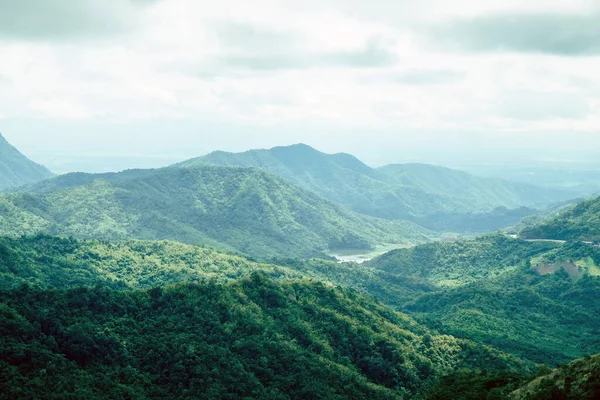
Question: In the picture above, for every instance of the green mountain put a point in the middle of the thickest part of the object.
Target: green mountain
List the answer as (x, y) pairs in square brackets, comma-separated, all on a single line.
[(531, 299), (581, 222), (242, 330), (421, 192), (242, 209), (579, 380), (16, 169)]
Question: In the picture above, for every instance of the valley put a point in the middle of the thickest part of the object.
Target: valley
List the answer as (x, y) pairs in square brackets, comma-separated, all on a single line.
[(128, 284)]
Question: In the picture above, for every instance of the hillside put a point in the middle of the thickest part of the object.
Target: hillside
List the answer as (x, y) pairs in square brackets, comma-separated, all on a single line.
[(16, 169), (528, 299), (251, 338), (241, 209), (579, 380), (426, 194), (580, 222)]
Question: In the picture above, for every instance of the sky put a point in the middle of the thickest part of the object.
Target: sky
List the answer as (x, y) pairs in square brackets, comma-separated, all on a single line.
[(98, 85)]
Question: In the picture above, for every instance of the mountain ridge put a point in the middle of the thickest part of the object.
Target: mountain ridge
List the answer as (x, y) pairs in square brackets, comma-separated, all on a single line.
[(16, 169), (245, 209), (381, 192)]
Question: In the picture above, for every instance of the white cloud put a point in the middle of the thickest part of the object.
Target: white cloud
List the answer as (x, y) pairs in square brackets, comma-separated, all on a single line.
[(333, 64)]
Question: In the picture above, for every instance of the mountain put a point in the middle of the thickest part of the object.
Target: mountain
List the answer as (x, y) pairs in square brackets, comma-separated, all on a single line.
[(530, 299), (242, 209), (580, 222), (75, 324), (482, 193), (16, 169), (251, 338), (427, 194)]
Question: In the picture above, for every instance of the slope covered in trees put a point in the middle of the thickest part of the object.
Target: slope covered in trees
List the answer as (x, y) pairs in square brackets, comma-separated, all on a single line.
[(580, 222), (511, 294), (242, 209), (16, 169), (425, 193), (252, 338)]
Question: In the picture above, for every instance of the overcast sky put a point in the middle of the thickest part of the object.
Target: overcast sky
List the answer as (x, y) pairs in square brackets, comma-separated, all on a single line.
[(106, 84)]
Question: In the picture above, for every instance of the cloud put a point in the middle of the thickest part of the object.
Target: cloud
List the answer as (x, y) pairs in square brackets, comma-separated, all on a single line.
[(539, 106), (548, 33), (65, 20), (428, 77), (374, 54)]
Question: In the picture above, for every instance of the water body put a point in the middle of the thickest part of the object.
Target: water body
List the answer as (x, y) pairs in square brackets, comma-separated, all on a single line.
[(361, 255)]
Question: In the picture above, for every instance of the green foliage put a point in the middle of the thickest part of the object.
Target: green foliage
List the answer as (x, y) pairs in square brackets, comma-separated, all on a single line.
[(232, 208), (16, 169), (488, 291), (247, 339), (581, 222), (461, 262), (476, 385), (439, 197)]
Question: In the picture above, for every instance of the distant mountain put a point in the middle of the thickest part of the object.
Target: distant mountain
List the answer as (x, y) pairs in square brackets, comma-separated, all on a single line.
[(423, 193), (16, 169), (580, 222), (482, 193), (242, 209)]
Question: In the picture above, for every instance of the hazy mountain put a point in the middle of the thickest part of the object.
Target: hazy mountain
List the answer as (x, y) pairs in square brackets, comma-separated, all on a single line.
[(395, 192), (482, 193), (580, 222), (243, 209), (16, 169)]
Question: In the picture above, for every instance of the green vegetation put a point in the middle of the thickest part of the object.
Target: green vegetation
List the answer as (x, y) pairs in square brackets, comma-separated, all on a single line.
[(252, 338), (240, 209), (16, 169), (579, 380), (491, 290), (461, 262), (581, 222), (437, 198)]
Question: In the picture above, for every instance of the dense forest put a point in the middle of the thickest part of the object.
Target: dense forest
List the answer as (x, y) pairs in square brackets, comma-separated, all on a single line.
[(249, 338), (580, 222), (240, 209)]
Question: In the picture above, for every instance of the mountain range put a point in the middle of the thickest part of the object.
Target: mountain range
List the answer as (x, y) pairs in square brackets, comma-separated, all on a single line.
[(241, 209), (16, 169), (435, 197), (241, 301)]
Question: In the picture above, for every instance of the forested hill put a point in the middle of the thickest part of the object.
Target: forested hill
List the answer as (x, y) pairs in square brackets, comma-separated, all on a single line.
[(528, 299), (579, 380), (242, 209), (252, 338), (409, 191), (16, 169), (581, 222)]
